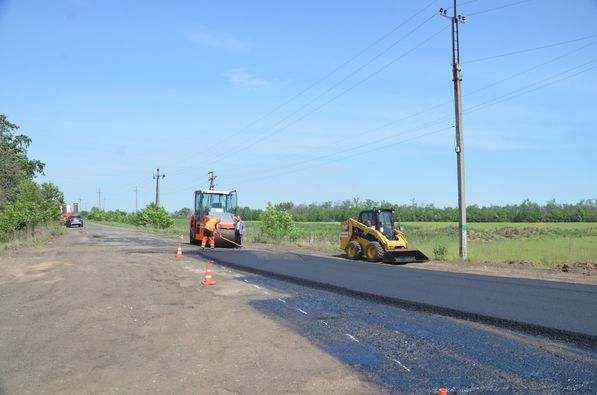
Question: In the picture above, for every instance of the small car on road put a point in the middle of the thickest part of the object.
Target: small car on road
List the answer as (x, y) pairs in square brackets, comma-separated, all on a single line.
[(74, 220)]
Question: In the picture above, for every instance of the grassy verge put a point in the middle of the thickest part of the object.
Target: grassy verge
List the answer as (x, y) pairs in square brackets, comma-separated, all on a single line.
[(544, 244), (33, 236), (181, 227)]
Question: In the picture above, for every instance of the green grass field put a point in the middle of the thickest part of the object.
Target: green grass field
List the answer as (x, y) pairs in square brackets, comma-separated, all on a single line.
[(544, 244)]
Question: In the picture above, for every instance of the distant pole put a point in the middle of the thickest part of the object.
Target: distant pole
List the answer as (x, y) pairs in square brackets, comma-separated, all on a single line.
[(104, 200), (462, 226), (157, 186), (99, 198), (212, 181), (136, 190)]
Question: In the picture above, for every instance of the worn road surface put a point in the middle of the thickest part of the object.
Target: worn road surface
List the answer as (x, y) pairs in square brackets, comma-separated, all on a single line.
[(106, 310)]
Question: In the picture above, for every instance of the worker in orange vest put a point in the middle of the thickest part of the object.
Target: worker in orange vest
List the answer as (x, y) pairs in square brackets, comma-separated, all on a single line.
[(210, 229)]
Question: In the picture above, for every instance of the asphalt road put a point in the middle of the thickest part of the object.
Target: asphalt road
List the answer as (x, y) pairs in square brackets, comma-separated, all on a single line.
[(108, 310), (564, 310)]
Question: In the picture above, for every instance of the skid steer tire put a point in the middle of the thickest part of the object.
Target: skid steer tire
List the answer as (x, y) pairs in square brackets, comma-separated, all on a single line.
[(374, 251), (354, 250)]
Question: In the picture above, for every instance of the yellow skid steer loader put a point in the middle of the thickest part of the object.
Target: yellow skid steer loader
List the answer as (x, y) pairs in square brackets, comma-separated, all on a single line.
[(373, 236)]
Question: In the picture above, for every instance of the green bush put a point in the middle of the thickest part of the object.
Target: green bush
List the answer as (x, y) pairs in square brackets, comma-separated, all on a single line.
[(277, 224), (152, 216), (440, 252), (30, 205)]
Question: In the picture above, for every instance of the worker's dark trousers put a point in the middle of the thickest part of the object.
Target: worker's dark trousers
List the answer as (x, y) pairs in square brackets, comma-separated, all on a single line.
[(208, 235)]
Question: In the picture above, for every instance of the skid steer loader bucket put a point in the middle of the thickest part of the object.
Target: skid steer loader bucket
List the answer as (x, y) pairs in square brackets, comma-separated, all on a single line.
[(404, 255)]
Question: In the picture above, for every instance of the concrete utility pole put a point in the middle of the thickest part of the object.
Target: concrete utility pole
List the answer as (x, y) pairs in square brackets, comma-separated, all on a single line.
[(212, 181), (157, 186), (99, 198), (136, 190), (462, 226)]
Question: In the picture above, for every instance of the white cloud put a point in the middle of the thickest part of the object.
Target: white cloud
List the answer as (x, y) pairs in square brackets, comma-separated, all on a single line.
[(245, 79), (206, 38)]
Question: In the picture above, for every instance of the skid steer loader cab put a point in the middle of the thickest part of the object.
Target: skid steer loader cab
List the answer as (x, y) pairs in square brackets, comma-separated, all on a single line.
[(215, 204), (381, 220), (374, 237)]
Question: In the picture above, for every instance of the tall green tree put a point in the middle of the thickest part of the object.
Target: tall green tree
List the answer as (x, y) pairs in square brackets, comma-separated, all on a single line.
[(14, 163)]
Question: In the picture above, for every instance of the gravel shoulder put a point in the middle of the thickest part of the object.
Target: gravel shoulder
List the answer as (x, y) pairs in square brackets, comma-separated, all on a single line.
[(106, 310)]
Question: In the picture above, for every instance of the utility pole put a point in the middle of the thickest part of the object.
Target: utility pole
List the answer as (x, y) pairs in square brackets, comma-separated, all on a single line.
[(99, 198), (462, 226), (136, 190), (157, 186), (212, 181)]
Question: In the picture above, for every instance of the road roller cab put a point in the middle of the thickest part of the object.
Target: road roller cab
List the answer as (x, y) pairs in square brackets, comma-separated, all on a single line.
[(213, 204)]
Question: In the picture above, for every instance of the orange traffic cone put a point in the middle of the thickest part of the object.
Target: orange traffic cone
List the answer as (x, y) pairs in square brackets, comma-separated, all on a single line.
[(179, 252), (208, 280), (442, 391)]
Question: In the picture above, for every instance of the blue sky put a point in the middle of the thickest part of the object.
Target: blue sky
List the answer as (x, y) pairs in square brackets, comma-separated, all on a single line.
[(304, 101)]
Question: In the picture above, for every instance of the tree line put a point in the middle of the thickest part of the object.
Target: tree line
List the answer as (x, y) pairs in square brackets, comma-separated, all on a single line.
[(23, 203), (527, 211), (151, 216)]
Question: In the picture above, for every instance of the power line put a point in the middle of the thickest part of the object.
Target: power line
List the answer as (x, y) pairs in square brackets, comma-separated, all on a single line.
[(342, 93), (530, 49), (516, 93), (534, 86), (498, 8), (360, 152), (496, 100), (471, 93), (511, 94), (251, 141), (360, 148), (338, 68)]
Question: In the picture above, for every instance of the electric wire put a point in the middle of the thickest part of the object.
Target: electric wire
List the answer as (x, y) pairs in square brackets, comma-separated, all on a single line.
[(251, 141), (334, 70), (498, 8), (342, 93), (509, 96), (255, 142), (518, 52), (441, 104), (329, 89), (496, 100), (500, 99)]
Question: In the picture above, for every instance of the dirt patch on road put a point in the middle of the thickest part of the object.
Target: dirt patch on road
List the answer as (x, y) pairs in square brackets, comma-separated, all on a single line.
[(87, 314)]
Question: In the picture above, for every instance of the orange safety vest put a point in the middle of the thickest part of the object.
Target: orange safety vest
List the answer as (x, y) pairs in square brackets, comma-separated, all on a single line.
[(211, 224)]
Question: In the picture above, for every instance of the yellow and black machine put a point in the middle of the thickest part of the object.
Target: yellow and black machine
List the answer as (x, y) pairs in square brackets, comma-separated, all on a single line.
[(374, 237)]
